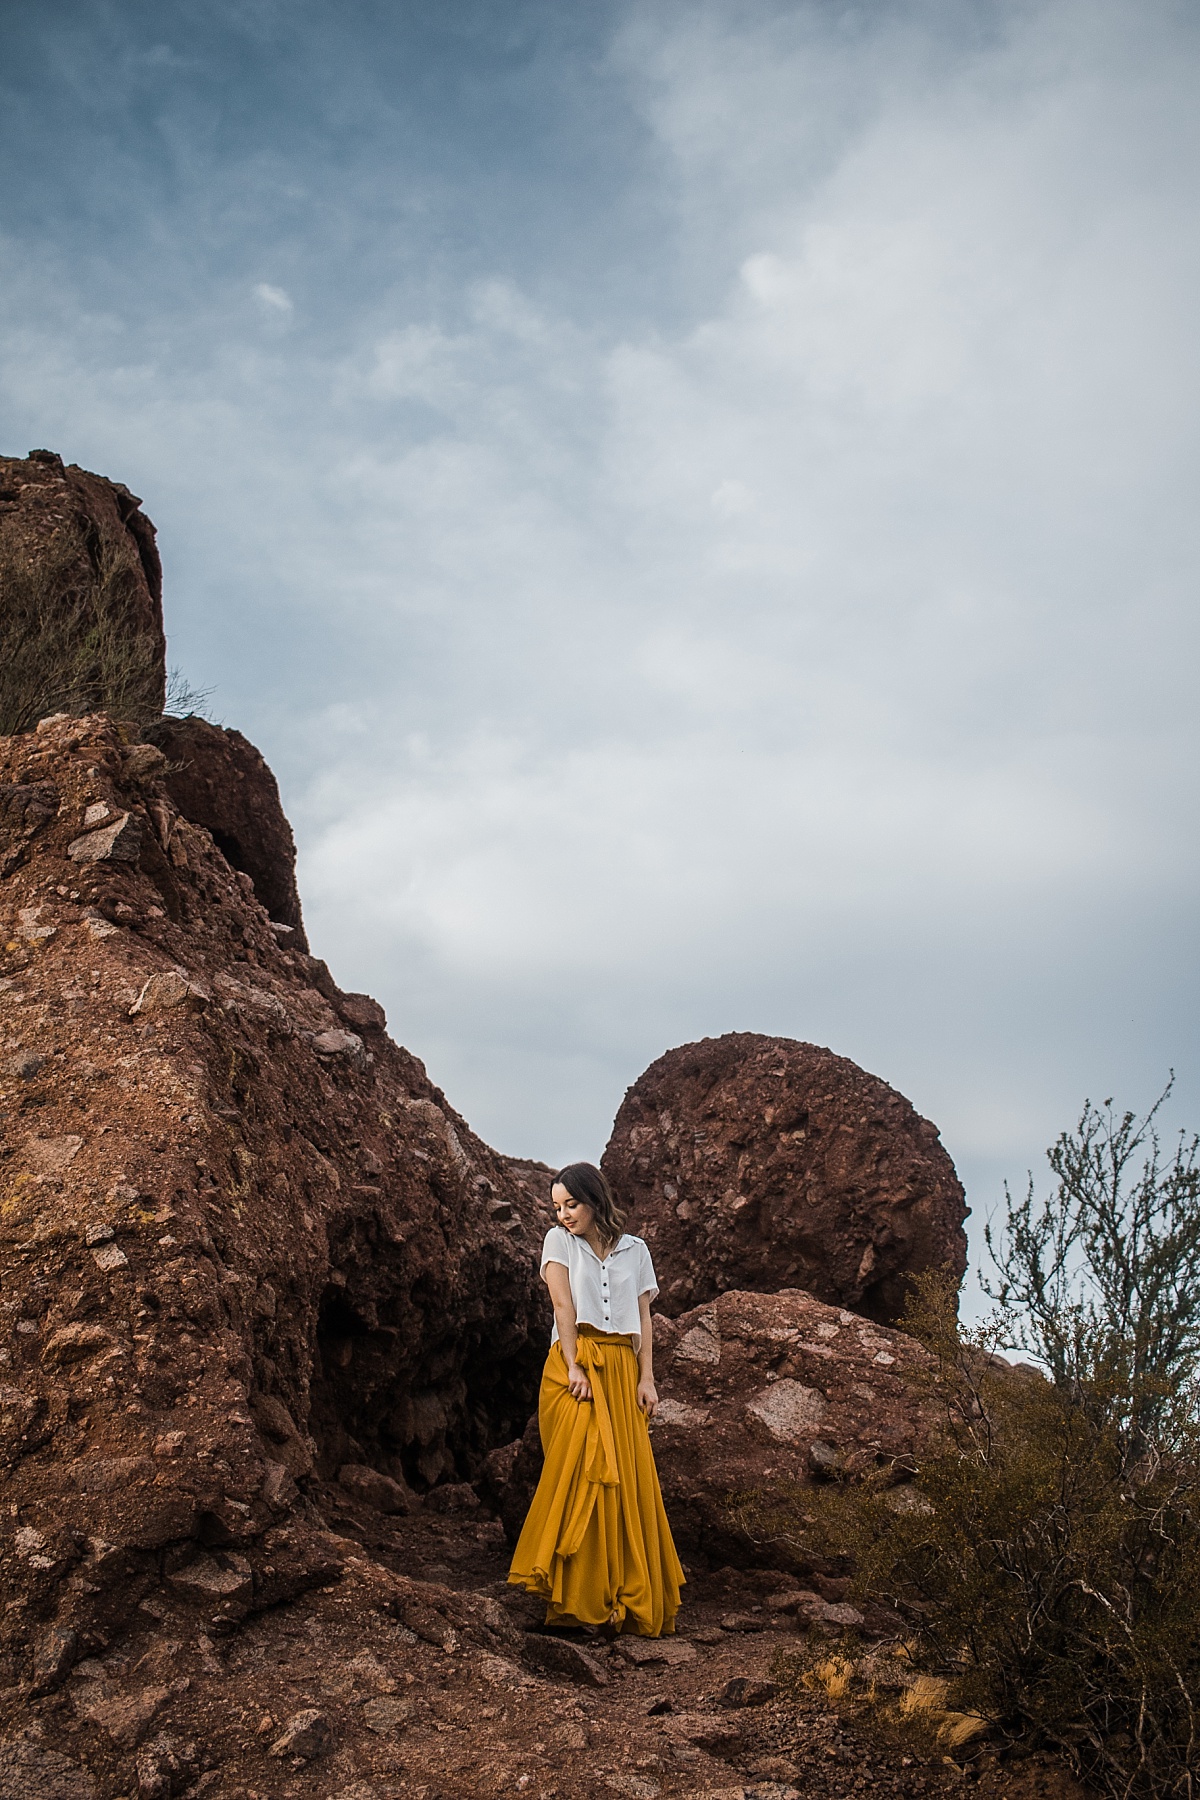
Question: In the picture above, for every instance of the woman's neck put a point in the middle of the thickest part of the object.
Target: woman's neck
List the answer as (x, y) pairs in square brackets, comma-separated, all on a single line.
[(598, 1244)]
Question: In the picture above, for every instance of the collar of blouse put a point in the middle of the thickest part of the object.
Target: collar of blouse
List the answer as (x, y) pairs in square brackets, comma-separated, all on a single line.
[(623, 1243)]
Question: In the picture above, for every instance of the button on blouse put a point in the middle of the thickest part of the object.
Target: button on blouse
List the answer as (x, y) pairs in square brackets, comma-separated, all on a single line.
[(605, 1293)]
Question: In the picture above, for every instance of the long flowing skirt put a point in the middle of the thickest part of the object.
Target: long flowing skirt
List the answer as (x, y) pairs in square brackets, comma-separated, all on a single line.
[(596, 1544)]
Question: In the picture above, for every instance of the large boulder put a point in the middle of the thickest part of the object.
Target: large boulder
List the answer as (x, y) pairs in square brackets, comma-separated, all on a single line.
[(81, 622), (764, 1395), (762, 1163), (245, 1240)]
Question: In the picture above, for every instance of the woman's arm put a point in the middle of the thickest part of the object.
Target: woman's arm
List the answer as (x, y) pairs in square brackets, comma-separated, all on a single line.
[(558, 1281), (647, 1393)]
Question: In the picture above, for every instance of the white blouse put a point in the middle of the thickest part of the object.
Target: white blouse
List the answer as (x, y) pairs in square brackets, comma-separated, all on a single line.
[(605, 1293)]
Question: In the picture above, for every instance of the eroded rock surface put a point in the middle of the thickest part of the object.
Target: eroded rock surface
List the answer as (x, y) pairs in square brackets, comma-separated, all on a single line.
[(246, 1241), (81, 620), (218, 779), (761, 1163), (765, 1394)]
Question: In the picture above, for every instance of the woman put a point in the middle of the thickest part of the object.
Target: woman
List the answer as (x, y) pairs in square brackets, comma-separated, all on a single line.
[(596, 1544)]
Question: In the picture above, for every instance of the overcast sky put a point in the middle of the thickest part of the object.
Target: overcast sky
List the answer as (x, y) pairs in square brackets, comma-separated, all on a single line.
[(697, 502)]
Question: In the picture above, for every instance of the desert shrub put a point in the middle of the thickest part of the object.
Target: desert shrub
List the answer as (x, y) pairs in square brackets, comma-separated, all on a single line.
[(1101, 1278), (1050, 1581), (68, 636)]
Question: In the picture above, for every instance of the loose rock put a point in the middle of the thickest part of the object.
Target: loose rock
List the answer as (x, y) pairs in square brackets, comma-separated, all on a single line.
[(387, 1713), (714, 1732), (167, 989), (307, 1734), (643, 1651), (748, 1690), (559, 1656), (120, 842), (375, 1489)]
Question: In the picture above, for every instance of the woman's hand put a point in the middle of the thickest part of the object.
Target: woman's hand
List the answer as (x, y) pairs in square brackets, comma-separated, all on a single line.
[(647, 1393), (578, 1382), (647, 1397)]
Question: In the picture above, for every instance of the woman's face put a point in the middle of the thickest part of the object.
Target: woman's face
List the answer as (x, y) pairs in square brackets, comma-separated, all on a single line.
[(575, 1215)]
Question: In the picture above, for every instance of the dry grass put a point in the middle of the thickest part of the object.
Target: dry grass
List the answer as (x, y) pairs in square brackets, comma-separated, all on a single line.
[(926, 1695), (957, 1729), (68, 636), (926, 1701), (832, 1675), (922, 1715)]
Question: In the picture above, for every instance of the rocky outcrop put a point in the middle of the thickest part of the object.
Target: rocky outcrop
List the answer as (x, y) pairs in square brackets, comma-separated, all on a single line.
[(81, 628), (216, 778), (761, 1163), (269, 1307), (762, 1397), (765, 1395), (81, 622), (246, 1241)]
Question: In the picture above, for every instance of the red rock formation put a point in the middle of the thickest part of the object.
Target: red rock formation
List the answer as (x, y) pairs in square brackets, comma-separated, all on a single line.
[(767, 1393), (260, 1280), (219, 780), (81, 628), (80, 595), (245, 1239), (762, 1163)]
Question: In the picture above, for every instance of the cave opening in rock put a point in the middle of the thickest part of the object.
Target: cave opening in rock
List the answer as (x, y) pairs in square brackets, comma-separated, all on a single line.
[(230, 849), (402, 1383)]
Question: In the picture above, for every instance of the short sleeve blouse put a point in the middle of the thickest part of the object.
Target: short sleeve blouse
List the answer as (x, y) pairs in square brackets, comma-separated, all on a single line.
[(605, 1294)]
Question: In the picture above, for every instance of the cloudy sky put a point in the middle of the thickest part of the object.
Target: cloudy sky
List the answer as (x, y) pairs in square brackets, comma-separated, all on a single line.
[(696, 500)]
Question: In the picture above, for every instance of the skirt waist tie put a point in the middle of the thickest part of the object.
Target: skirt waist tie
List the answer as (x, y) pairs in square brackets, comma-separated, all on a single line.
[(600, 1461), (600, 1450)]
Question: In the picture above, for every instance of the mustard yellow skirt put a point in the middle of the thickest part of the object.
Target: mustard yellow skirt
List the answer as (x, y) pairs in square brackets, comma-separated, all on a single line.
[(596, 1544)]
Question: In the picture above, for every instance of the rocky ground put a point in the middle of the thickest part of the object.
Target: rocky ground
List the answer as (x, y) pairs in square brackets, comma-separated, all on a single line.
[(417, 1672)]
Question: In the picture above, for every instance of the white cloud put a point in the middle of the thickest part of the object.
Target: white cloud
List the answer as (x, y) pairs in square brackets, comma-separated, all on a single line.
[(273, 299)]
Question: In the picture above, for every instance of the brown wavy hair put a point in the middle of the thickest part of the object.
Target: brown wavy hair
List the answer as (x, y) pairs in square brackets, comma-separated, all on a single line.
[(584, 1182)]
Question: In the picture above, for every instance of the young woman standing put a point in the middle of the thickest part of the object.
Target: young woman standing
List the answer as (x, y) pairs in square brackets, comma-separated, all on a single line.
[(596, 1544)]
